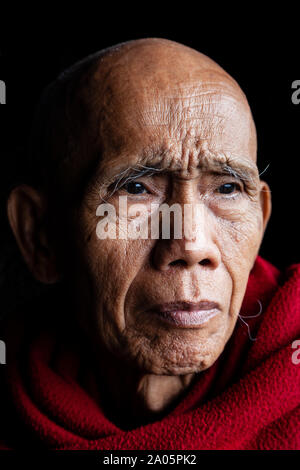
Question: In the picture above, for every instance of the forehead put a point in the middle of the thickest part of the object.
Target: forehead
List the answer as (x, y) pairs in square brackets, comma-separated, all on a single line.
[(171, 114)]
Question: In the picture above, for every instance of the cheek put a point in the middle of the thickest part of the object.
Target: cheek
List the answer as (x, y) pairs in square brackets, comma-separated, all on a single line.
[(245, 237), (108, 268), (116, 262), (238, 225), (240, 245)]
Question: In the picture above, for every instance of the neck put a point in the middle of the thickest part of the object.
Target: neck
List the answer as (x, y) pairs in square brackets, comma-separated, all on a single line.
[(132, 398)]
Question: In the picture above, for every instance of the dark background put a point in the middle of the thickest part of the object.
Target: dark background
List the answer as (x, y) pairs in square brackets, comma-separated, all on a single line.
[(264, 59)]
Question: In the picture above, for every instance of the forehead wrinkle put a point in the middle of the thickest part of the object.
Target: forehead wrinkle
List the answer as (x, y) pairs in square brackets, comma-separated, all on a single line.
[(208, 160), (187, 114), (167, 110), (168, 82)]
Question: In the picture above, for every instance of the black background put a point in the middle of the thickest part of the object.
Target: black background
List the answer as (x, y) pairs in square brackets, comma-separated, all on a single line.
[(263, 57)]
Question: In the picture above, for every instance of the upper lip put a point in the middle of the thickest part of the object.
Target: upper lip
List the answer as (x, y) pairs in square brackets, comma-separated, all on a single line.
[(188, 306)]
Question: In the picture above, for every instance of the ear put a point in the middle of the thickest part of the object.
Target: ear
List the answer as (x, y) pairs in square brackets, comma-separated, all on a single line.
[(266, 203), (26, 209)]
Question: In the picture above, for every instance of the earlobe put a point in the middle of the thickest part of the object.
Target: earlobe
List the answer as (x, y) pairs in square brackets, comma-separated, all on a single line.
[(26, 211), (266, 203)]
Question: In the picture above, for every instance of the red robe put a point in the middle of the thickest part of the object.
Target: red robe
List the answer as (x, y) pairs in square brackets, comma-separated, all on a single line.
[(248, 399)]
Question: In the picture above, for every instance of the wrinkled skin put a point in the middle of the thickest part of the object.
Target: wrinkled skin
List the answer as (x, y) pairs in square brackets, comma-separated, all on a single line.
[(160, 103)]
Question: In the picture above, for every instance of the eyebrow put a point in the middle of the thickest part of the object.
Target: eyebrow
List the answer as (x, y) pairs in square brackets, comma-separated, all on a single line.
[(240, 168), (217, 163), (132, 173)]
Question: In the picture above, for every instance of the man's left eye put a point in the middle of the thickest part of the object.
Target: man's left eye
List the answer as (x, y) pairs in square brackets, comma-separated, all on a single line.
[(134, 187), (228, 188)]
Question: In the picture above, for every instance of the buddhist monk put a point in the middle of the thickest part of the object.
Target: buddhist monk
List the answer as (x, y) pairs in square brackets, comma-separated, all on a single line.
[(177, 342)]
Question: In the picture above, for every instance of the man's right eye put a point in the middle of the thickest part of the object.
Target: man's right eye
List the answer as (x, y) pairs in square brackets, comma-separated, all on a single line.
[(133, 187)]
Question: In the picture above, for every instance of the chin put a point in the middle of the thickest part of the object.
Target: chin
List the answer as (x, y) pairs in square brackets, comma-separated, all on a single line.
[(168, 368), (179, 357)]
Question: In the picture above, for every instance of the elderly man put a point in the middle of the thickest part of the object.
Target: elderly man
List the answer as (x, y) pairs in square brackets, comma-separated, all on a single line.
[(179, 342)]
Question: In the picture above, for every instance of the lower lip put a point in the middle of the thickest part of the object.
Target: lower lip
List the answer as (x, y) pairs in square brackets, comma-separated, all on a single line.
[(185, 318)]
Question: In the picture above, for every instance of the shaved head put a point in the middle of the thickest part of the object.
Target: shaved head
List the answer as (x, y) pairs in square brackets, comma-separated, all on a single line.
[(106, 97)]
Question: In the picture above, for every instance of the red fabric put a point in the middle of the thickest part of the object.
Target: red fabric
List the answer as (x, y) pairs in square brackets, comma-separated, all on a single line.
[(249, 399)]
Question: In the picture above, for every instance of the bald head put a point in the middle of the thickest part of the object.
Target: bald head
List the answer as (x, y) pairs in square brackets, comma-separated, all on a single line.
[(112, 96)]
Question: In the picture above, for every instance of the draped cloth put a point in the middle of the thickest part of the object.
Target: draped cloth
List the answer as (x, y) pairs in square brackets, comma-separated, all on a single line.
[(248, 399)]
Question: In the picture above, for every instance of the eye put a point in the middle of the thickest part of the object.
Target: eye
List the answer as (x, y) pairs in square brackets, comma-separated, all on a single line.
[(229, 188), (133, 187)]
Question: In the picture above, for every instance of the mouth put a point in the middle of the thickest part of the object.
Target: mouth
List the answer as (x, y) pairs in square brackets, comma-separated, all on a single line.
[(186, 314)]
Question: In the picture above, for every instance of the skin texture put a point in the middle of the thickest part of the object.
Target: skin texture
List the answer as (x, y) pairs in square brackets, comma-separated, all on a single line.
[(155, 103)]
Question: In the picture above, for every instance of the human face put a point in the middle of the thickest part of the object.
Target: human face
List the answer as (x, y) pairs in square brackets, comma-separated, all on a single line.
[(194, 133)]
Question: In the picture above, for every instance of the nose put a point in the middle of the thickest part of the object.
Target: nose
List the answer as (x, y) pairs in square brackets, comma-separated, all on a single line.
[(195, 246)]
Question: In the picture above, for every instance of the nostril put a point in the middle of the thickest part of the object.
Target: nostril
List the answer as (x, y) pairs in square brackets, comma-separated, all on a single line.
[(178, 262), (205, 262)]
